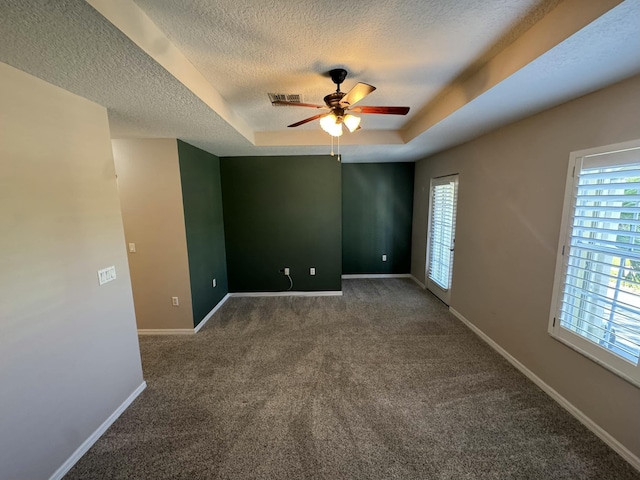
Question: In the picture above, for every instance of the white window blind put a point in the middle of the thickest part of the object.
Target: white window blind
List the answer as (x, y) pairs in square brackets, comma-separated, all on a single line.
[(598, 301), (443, 206)]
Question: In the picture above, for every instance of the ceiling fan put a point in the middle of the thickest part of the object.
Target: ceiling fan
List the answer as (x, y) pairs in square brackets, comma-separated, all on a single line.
[(341, 107)]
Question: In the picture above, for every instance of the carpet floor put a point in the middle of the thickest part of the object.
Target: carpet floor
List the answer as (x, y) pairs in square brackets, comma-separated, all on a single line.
[(381, 383)]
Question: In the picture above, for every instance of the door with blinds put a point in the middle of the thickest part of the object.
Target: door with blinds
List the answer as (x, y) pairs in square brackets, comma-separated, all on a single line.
[(441, 235)]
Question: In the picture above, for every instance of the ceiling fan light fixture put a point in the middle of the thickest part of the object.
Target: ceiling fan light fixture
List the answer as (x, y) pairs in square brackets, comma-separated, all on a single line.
[(331, 125), (336, 131), (352, 122), (339, 104)]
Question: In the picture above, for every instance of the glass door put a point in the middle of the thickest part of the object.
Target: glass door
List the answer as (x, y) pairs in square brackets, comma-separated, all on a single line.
[(441, 235)]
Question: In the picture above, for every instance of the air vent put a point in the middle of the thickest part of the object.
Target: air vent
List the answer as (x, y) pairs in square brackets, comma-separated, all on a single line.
[(285, 97)]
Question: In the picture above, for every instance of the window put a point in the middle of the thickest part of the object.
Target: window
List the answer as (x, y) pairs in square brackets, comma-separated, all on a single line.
[(442, 225), (596, 304)]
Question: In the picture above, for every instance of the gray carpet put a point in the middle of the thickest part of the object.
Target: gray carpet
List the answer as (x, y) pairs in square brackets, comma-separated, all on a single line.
[(382, 383)]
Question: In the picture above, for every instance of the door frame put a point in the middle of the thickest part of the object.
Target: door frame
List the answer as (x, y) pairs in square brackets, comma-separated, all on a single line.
[(437, 290)]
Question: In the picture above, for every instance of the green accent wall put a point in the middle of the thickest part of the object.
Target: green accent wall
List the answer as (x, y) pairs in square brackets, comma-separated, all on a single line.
[(282, 212), (204, 226), (377, 209)]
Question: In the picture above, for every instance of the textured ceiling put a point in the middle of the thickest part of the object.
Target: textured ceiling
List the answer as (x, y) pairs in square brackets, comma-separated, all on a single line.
[(408, 49), (412, 50)]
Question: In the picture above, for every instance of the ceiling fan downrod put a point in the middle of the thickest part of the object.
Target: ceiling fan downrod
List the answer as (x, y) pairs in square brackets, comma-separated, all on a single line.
[(333, 99), (338, 75)]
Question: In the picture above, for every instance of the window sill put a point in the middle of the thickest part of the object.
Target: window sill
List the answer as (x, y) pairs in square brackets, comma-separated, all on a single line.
[(597, 360)]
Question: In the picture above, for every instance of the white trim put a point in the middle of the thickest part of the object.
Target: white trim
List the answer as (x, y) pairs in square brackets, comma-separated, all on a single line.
[(605, 358), (210, 314), (328, 293), (376, 275), (441, 291), (613, 148), (93, 438), (185, 331), (424, 287), (564, 225), (384, 275), (600, 432), (166, 331), (133, 22), (573, 345)]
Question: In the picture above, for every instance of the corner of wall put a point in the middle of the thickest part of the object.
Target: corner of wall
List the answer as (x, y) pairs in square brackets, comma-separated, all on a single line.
[(149, 187), (201, 186)]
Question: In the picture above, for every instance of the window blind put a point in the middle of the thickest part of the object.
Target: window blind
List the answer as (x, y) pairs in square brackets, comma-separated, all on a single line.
[(601, 291), (443, 205)]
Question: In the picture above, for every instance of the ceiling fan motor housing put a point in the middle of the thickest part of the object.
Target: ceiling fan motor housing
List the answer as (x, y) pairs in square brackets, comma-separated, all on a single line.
[(333, 99), (338, 75)]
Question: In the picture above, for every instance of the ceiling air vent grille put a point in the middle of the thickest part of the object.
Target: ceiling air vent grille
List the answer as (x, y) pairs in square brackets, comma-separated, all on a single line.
[(285, 97)]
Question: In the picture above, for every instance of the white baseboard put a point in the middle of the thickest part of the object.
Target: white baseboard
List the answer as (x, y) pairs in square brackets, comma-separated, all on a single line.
[(323, 293), (419, 282), (166, 331), (93, 438), (185, 331), (210, 314), (375, 275), (384, 275), (189, 331), (600, 432)]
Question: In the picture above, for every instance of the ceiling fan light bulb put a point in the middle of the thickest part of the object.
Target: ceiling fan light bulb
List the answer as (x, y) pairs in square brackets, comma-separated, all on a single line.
[(330, 125), (352, 122), (327, 123), (336, 130)]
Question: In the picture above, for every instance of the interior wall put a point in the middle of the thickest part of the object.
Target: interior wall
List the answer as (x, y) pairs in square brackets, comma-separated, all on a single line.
[(152, 211), (69, 352), (204, 225), (377, 207), (511, 194), (282, 212)]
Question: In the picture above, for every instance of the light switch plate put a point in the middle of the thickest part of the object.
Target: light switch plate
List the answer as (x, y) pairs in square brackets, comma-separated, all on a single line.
[(132, 248), (106, 275)]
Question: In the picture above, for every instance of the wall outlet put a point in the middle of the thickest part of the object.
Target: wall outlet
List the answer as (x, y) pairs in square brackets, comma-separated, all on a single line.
[(106, 275), (174, 301), (312, 271), (215, 284), (132, 248), (384, 258)]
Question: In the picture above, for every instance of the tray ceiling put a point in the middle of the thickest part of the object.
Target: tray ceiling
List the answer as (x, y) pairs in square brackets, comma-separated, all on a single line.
[(201, 70)]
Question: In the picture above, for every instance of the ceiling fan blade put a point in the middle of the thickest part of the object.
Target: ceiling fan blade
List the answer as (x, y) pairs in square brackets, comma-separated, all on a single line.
[(356, 94), (307, 120), (297, 104), (381, 110)]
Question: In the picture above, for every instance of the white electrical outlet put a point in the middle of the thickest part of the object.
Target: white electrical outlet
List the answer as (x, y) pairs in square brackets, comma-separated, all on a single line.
[(106, 275), (215, 284), (174, 301), (384, 258), (132, 248), (286, 270), (312, 271)]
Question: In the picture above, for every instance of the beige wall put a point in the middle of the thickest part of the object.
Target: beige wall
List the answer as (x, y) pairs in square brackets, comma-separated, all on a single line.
[(509, 210), (151, 199), (69, 352)]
